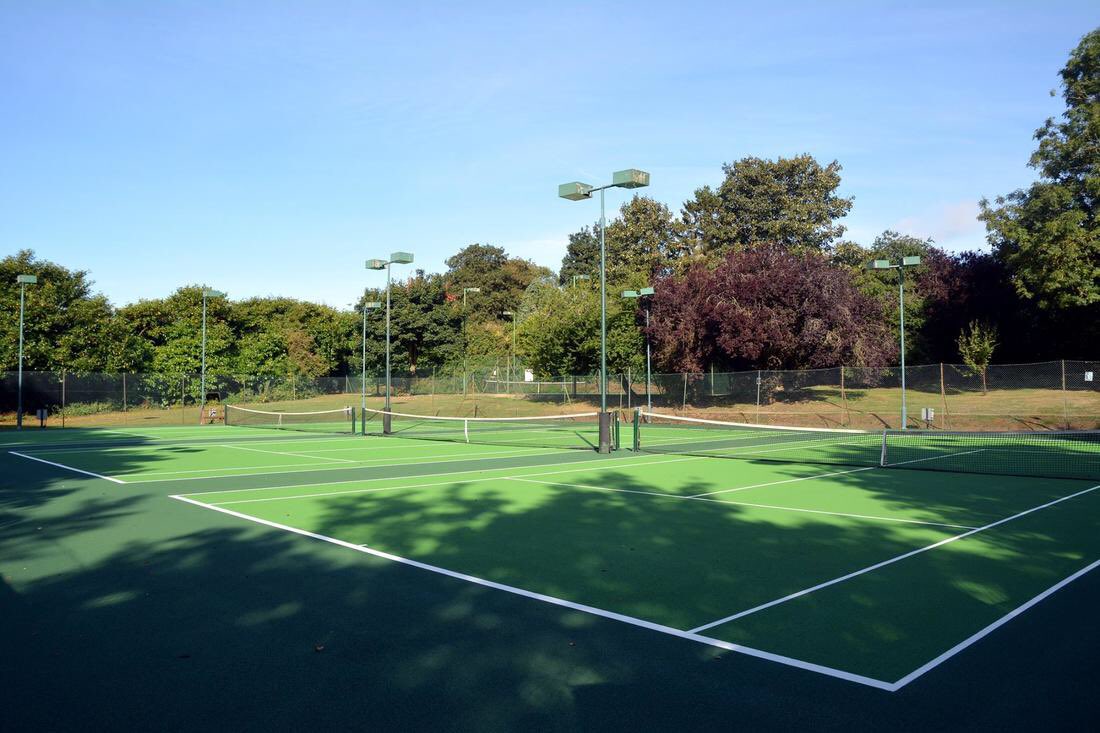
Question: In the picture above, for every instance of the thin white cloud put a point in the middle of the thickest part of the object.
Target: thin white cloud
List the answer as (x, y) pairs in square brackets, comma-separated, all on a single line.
[(953, 225)]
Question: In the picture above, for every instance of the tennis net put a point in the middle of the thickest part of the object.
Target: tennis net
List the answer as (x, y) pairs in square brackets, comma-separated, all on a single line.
[(1045, 454), (319, 421), (581, 430)]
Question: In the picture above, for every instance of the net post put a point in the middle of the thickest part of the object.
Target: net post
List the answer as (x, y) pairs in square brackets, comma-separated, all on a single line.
[(605, 432), (352, 411), (615, 433), (637, 443), (882, 455), (386, 423)]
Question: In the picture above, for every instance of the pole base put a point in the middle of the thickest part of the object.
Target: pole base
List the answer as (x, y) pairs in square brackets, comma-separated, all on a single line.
[(605, 432), (386, 423)]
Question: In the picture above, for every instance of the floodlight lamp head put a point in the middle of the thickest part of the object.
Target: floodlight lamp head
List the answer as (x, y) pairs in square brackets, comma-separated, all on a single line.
[(401, 258), (213, 294), (910, 261), (507, 313), (376, 264), (372, 304), (471, 290), (630, 293), (26, 279), (879, 265), (630, 178), (575, 191), (646, 291)]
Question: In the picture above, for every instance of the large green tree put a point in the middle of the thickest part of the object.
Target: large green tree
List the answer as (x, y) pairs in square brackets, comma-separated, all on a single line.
[(789, 202), (1049, 234), (643, 241), (502, 279), (67, 326)]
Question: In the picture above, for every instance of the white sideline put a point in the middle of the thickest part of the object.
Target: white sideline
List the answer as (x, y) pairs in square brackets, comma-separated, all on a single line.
[(742, 503), (281, 453), (884, 563), (67, 468), (993, 626), (592, 610)]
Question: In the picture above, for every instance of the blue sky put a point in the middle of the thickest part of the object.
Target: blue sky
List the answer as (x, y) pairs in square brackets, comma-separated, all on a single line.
[(270, 148)]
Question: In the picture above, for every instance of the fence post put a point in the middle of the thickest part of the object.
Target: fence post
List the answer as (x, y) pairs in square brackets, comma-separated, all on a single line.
[(63, 398), (758, 376), (943, 398), (124, 391), (1065, 397), (685, 401), (844, 398)]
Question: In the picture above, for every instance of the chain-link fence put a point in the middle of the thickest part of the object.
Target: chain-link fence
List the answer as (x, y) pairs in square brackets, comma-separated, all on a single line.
[(1047, 395)]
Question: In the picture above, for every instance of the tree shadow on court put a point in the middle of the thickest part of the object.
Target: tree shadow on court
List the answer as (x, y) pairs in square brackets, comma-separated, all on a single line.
[(187, 619)]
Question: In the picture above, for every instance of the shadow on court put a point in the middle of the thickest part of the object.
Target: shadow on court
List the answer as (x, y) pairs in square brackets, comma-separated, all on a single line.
[(138, 612)]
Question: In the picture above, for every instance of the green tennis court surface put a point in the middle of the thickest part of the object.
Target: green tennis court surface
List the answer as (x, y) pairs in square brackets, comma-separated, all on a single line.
[(872, 575)]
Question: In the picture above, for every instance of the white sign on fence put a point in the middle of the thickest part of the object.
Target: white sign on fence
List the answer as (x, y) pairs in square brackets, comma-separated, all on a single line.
[(1088, 376)]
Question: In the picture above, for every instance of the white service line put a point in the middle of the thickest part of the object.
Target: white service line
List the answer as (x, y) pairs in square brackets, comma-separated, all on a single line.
[(281, 453), (785, 481), (891, 561), (746, 503), (592, 610), (391, 478), (403, 486), (67, 468), (408, 461)]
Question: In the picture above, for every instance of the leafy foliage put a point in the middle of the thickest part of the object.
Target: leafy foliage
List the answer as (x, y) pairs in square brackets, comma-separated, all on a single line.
[(789, 202), (976, 346), (1049, 234), (768, 307)]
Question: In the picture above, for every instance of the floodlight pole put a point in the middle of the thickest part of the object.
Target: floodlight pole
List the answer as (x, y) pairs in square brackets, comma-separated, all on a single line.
[(371, 305), (512, 367), (400, 258), (202, 379), (912, 261), (24, 281), (580, 277), (465, 345), (575, 191), (644, 293)]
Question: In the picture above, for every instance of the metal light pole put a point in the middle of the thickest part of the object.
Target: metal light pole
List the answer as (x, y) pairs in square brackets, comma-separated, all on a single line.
[(370, 305), (577, 191), (644, 293), (396, 258), (202, 380), (512, 370), (886, 265), (24, 281), (465, 365)]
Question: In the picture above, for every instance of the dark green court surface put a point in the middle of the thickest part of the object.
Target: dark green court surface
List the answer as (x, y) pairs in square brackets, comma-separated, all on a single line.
[(237, 578)]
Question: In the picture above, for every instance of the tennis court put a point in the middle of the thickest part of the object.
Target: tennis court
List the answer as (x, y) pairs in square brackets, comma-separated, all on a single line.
[(828, 551)]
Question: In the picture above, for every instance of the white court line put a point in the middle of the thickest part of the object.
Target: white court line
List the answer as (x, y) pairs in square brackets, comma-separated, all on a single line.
[(836, 473), (115, 446), (785, 481), (746, 503), (992, 627), (356, 464), (884, 563), (281, 453), (592, 610), (391, 478), (67, 468), (395, 488)]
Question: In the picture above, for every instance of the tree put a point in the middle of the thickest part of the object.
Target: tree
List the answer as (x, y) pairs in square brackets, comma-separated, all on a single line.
[(976, 345), (644, 240), (770, 308), (789, 202), (502, 279), (1049, 235), (66, 325)]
